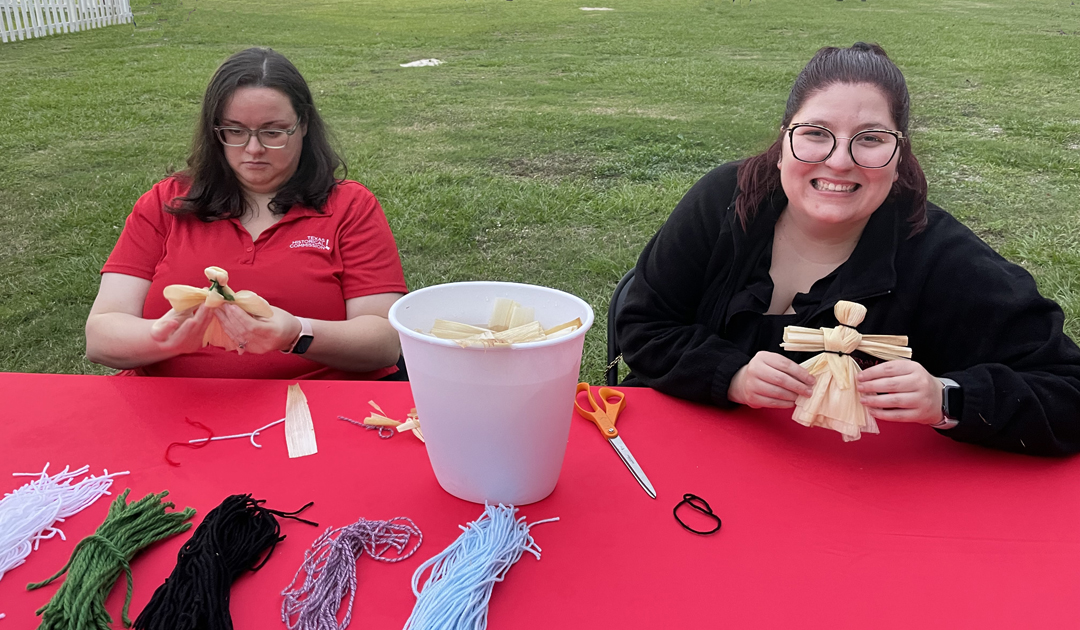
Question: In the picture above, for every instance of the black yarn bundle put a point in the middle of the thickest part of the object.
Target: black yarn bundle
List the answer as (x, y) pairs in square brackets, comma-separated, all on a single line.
[(231, 540)]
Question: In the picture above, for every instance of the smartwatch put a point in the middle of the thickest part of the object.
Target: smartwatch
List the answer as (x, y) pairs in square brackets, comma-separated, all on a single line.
[(303, 342), (952, 404)]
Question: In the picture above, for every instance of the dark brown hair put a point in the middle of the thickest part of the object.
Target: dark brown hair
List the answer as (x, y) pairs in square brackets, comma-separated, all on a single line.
[(862, 63), (215, 192)]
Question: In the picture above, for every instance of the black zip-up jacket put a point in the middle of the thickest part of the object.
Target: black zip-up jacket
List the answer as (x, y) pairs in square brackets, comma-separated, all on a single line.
[(969, 314)]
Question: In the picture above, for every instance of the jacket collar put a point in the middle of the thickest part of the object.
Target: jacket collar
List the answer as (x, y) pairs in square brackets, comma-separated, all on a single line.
[(871, 269)]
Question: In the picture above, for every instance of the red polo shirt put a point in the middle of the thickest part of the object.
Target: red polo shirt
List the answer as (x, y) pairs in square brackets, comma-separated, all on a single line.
[(308, 264)]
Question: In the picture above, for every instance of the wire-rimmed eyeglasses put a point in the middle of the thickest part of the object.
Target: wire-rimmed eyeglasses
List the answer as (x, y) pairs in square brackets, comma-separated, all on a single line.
[(268, 138), (872, 148)]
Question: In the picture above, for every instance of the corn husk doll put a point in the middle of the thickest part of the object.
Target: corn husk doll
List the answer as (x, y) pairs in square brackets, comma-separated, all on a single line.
[(183, 297), (835, 403)]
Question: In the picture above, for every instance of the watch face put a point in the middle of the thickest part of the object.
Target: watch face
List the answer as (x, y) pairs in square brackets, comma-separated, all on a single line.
[(954, 402), (302, 344)]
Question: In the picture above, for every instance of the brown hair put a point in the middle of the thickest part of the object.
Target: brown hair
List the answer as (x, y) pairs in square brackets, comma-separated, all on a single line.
[(862, 63), (215, 192)]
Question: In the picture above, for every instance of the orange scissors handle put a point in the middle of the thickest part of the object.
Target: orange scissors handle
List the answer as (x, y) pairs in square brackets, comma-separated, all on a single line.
[(603, 417)]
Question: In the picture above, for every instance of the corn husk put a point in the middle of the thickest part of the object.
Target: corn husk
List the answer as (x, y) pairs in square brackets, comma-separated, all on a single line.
[(568, 327), (834, 402), (444, 329), (380, 419), (299, 430), (183, 297), (510, 323)]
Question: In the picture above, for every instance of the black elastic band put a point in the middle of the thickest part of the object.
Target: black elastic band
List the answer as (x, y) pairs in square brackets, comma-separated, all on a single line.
[(851, 327), (691, 500)]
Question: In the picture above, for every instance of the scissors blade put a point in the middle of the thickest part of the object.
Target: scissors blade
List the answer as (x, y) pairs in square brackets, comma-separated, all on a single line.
[(631, 463)]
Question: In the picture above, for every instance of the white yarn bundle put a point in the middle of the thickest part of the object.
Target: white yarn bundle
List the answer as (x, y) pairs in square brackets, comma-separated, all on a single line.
[(28, 514)]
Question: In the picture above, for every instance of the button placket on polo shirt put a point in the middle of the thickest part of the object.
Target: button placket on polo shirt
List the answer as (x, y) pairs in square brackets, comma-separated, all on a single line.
[(247, 245)]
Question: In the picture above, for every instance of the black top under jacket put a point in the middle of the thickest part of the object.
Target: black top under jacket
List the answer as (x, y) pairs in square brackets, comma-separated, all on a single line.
[(694, 314)]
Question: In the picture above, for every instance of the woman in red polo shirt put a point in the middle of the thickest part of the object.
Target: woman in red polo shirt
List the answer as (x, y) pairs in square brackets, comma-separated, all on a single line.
[(259, 198)]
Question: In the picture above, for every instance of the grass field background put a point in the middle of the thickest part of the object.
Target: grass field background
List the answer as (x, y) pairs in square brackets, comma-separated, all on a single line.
[(549, 147)]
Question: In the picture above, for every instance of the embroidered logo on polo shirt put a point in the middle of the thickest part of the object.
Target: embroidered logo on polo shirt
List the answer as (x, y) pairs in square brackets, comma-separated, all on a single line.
[(311, 241)]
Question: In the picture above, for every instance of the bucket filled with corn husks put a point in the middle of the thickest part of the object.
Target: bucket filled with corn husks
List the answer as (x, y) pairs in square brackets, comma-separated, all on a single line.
[(493, 368)]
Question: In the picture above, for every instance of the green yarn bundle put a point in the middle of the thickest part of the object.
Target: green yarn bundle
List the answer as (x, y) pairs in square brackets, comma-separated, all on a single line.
[(97, 560)]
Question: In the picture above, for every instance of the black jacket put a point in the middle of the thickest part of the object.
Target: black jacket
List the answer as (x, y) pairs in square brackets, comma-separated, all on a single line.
[(969, 314)]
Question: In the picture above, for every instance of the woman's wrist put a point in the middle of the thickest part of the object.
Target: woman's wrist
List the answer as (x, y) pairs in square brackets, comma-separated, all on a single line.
[(296, 330)]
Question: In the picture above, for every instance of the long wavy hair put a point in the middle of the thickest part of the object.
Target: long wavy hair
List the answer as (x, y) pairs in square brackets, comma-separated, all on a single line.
[(215, 192), (865, 63)]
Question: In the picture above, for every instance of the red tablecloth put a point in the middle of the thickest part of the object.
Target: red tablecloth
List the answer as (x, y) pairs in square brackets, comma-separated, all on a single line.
[(906, 529)]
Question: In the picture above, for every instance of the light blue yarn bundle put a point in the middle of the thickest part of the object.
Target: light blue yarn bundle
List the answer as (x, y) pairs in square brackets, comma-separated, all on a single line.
[(456, 593)]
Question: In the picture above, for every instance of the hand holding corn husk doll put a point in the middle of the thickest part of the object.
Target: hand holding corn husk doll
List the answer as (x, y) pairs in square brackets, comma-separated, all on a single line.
[(182, 298), (835, 402)]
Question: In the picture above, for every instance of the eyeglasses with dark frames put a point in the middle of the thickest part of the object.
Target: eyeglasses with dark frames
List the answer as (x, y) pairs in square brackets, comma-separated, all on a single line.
[(871, 148), (268, 138)]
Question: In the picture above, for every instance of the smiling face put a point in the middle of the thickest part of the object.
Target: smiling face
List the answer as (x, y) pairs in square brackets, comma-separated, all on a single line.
[(837, 194), (262, 170)]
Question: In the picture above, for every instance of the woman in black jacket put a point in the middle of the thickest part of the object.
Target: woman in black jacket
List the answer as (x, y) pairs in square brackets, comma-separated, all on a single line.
[(836, 210)]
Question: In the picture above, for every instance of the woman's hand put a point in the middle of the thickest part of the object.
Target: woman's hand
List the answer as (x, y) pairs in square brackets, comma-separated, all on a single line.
[(181, 332), (770, 380), (258, 335), (901, 391)]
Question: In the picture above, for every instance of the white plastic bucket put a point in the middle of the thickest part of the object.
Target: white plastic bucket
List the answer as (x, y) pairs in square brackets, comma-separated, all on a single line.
[(495, 420)]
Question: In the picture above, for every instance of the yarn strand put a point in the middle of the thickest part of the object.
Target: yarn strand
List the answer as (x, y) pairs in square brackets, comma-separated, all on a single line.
[(458, 589)]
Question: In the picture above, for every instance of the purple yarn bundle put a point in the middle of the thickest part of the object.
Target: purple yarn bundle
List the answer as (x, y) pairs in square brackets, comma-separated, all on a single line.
[(330, 568)]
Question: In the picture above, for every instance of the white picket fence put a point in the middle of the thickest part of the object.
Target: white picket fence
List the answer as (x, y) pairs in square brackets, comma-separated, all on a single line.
[(21, 19)]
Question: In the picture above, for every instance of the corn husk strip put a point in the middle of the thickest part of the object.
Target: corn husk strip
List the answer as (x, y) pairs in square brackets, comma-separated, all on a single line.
[(485, 339), (299, 430), (521, 315), (444, 329), (562, 332), (375, 420), (379, 419), (531, 331), (252, 303), (887, 347), (182, 297), (501, 314), (412, 424), (574, 324)]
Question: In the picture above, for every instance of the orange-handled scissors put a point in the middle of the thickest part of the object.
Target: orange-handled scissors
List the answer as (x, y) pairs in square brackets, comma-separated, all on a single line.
[(604, 418)]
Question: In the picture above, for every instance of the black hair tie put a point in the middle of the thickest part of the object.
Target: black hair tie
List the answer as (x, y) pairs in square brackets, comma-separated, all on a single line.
[(701, 505)]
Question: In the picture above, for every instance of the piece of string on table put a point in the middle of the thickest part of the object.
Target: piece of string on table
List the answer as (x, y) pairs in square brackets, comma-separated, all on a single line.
[(329, 570), (700, 505), (201, 444)]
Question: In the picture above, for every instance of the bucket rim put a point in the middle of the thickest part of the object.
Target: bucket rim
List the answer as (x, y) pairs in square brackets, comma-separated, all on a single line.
[(586, 323)]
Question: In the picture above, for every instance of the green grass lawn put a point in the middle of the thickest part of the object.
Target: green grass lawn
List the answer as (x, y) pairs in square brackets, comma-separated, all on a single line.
[(547, 149)]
